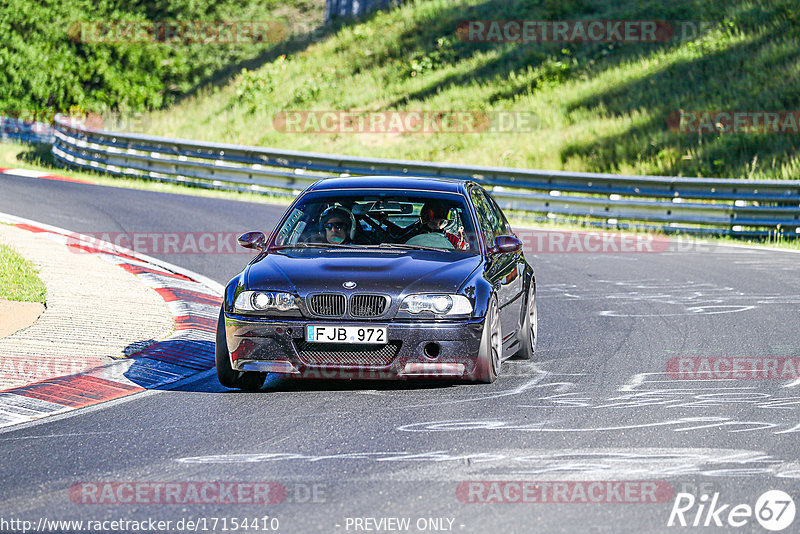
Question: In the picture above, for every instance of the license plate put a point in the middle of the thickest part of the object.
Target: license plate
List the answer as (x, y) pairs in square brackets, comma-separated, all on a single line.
[(346, 334)]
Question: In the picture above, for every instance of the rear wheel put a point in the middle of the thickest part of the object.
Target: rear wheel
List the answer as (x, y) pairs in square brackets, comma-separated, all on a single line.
[(530, 326), (229, 377), (489, 356)]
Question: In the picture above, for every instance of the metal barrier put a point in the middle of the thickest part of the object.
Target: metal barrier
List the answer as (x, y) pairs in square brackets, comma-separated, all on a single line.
[(354, 8), (26, 131), (728, 205)]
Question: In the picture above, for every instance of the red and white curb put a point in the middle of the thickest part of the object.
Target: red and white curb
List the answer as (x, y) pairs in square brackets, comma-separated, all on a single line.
[(28, 173), (194, 302)]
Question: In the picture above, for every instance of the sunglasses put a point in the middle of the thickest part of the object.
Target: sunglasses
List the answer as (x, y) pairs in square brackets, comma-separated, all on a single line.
[(337, 226)]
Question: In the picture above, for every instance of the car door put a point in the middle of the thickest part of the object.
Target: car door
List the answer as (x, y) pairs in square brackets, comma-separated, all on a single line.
[(516, 281), (501, 269)]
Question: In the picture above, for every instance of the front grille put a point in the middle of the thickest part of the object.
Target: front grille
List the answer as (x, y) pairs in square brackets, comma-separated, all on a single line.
[(327, 305), (368, 305), (346, 354)]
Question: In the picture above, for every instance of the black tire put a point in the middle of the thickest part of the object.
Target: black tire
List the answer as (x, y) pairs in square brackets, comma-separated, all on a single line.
[(227, 376), (529, 333), (490, 354)]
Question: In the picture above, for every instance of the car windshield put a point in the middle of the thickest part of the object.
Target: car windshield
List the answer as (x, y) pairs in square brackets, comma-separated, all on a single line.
[(382, 220)]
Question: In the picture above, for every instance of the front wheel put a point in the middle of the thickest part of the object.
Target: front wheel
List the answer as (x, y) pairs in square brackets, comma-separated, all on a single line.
[(229, 377), (490, 354)]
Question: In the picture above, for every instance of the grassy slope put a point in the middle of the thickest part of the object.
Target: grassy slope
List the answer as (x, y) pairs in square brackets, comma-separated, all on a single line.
[(601, 107), (18, 278)]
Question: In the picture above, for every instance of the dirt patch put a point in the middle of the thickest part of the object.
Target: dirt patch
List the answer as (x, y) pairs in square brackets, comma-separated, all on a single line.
[(15, 316)]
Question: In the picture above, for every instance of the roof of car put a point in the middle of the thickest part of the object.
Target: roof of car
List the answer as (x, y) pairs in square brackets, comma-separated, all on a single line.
[(447, 185)]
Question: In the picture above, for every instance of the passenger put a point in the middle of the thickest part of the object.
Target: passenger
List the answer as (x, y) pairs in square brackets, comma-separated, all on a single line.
[(433, 219)]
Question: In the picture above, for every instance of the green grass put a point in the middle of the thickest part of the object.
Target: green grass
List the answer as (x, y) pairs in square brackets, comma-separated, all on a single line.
[(600, 107), (19, 280)]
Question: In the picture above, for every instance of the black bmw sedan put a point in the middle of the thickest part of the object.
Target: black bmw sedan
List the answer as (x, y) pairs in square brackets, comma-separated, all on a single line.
[(380, 277)]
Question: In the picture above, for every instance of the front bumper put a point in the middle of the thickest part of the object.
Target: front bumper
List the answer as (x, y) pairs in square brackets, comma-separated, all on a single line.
[(434, 349)]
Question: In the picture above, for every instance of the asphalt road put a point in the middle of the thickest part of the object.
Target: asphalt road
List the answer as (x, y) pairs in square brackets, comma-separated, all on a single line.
[(597, 404)]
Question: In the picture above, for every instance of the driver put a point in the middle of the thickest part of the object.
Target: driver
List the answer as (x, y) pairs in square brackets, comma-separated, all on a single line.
[(336, 225), (433, 218)]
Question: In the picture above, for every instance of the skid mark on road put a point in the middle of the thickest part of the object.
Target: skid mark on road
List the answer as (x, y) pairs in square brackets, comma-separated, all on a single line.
[(666, 298), (535, 464), (683, 424), (777, 414), (523, 369)]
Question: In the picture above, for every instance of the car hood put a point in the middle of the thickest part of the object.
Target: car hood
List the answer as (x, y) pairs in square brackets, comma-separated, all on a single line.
[(392, 272)]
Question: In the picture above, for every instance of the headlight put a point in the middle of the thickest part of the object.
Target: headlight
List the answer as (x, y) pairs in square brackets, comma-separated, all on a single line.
[(249, 301), (437, 304)]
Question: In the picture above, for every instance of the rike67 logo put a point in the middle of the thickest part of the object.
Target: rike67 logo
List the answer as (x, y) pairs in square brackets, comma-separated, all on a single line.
[(774, 510)]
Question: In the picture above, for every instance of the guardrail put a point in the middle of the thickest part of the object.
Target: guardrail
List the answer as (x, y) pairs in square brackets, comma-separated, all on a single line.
[(26, 131), (731, 206), (354, 8)]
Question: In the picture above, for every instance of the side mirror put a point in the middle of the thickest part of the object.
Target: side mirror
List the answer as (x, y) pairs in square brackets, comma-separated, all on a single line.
[(504, 244), (256, 240)]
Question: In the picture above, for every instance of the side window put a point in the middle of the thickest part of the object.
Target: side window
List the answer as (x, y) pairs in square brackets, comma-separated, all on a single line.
[(486, 216), (496, 219), (503, 227)]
